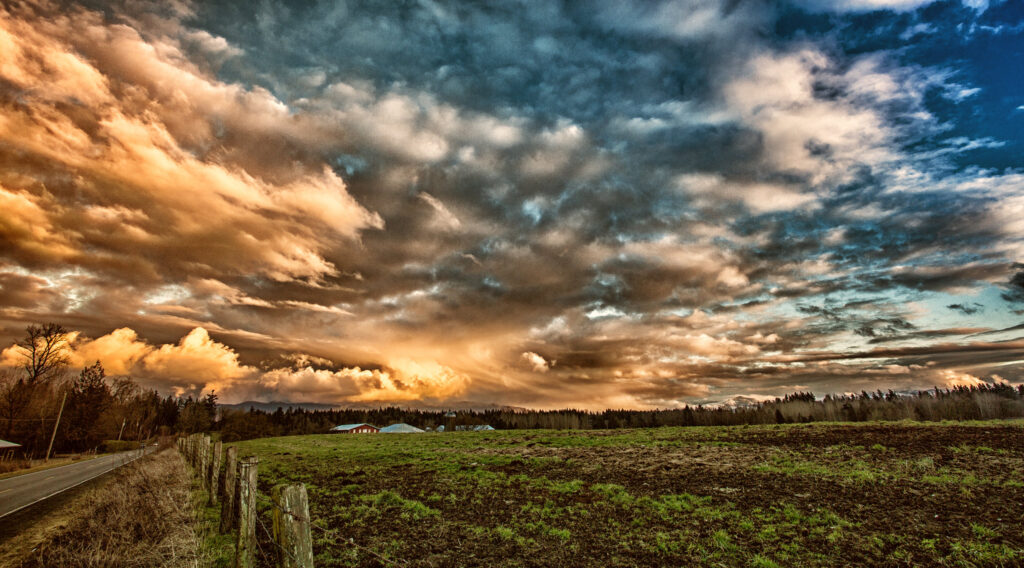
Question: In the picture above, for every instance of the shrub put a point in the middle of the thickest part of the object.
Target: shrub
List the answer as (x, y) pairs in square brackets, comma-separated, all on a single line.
[(111, 446)]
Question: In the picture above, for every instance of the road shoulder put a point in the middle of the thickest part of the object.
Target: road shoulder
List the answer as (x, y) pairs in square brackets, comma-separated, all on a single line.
[(52, 465), (96, 520)]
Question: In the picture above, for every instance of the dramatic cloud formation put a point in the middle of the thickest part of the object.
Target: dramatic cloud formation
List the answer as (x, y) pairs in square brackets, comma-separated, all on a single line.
[(610, 204)]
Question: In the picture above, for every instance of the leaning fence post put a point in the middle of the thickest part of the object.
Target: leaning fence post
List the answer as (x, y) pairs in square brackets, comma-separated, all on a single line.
[(227, 507), (215, 471), (291, 526), (244, 551)]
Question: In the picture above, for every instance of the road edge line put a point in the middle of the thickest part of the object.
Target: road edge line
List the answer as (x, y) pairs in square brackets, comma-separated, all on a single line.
[(69, 486), (58, 467)]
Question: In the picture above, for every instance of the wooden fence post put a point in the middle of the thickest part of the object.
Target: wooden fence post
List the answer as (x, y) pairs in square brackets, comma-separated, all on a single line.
[(245, 556), (215, 471), (227, 507), (291, 526), (204, 460)]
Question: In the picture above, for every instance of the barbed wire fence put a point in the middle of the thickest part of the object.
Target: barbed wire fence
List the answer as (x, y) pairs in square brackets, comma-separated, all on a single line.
[(296, 519), (333, 534)]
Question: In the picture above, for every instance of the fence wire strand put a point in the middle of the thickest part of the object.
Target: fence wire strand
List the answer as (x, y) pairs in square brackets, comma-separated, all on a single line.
[(331, 533), (336, 537), (273, 540)]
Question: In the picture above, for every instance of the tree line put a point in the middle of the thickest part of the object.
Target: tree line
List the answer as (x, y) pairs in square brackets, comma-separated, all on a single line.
[(92, 406), (97, 408), (985, 401)]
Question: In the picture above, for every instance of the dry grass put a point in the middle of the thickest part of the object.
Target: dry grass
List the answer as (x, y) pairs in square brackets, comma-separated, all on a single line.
[(143, 516), (12, 468), (17, 465)]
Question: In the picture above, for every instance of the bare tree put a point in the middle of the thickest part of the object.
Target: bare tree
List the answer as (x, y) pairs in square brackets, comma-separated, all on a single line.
[(45, 351)]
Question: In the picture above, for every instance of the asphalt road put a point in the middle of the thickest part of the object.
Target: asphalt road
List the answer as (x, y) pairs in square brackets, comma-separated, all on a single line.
[(20, 491)]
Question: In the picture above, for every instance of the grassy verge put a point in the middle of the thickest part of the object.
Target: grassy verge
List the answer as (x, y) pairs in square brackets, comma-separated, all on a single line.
[(217, 550), (141, 516)]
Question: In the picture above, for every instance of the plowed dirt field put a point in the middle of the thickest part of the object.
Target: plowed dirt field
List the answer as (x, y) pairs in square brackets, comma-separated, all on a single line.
[(877, 494)]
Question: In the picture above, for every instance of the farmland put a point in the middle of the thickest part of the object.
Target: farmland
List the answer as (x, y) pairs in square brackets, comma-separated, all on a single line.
[(876, 494)]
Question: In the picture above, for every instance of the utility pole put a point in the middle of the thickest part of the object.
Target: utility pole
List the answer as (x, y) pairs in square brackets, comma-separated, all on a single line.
[(54, 435)]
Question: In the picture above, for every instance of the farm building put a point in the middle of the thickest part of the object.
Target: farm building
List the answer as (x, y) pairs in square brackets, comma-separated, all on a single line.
[(7, 449), (355, 429), (400, 428), (476, 428)]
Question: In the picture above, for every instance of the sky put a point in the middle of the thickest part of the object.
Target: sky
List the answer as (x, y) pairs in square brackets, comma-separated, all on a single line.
[(599, 204)]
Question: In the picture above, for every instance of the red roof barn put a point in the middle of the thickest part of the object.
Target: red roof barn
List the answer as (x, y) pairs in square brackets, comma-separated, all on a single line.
[(355, 429)]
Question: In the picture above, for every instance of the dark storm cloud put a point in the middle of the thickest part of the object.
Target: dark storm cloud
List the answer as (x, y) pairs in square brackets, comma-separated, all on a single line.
[(884, 328), (1015, 287), (966, 309), (991, 351), (924, 334), (23, 291)]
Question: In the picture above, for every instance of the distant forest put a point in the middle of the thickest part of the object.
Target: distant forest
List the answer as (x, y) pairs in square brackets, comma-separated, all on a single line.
[(98, 408), (959, 403)]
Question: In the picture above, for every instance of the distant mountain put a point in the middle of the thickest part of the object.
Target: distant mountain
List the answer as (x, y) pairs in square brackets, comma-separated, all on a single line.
[(273, 406), (739, 401)]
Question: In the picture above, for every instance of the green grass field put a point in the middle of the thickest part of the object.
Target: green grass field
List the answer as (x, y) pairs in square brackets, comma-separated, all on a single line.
[(897, 494)]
